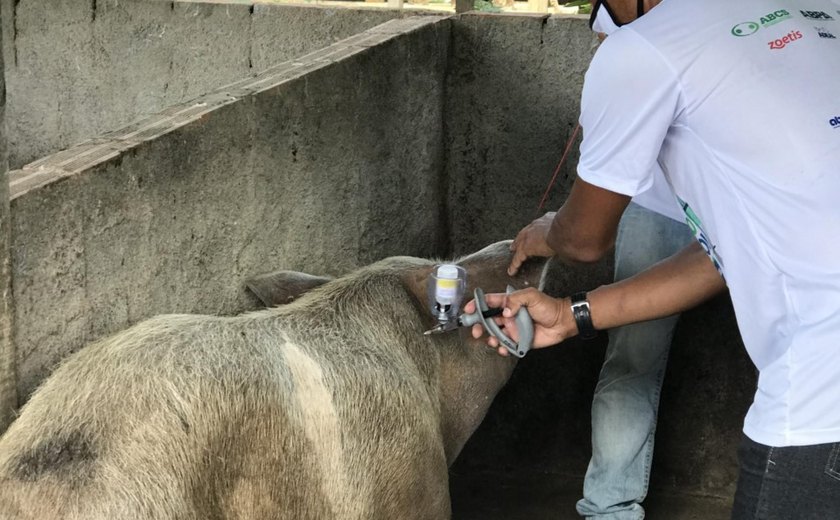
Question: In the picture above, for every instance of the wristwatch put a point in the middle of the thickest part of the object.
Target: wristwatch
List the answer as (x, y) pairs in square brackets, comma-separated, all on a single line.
[(583, 316)]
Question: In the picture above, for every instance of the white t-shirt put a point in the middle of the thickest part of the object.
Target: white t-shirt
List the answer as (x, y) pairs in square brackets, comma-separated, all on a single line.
[(659, 197), (739, 102)]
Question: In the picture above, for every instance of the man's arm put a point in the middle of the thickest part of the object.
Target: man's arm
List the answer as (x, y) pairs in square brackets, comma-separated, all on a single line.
[(583, 230), (676, 284), (629, 101)]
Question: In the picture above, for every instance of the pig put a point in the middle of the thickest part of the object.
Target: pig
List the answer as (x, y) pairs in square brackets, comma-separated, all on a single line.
[(332, 405)]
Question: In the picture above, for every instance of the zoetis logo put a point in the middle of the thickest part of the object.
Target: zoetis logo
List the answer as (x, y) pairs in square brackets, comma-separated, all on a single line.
[(816, 15), (781, 43), (748, 28), (834, 122)]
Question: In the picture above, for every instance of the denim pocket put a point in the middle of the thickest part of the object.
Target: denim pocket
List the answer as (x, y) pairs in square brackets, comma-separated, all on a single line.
[(832, 467)]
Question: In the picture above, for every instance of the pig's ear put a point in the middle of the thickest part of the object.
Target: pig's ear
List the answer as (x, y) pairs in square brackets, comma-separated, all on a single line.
[(282, 287)]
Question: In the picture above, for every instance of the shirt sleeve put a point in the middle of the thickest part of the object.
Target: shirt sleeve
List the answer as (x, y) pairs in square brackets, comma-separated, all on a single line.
[(631, 96)]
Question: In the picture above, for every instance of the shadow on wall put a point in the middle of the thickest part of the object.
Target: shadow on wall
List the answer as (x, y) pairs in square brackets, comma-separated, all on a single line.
[(537, 433)]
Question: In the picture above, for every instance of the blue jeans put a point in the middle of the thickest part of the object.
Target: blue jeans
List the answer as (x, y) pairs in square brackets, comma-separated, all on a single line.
[(627, 395), (795, 482)]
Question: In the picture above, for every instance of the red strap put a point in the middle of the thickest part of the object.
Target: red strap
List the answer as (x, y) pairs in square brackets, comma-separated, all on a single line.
[(557, 170)]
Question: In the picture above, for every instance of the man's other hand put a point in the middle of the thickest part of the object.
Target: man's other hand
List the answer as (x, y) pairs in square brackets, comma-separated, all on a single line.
[(531, 241)]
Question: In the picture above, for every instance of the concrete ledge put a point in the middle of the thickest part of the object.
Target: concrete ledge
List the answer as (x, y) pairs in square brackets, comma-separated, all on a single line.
[(121, 60), (90, 153)]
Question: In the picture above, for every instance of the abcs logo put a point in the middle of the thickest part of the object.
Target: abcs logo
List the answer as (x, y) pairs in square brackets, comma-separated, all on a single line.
[(781, 43), (748, 28), (834, 122)]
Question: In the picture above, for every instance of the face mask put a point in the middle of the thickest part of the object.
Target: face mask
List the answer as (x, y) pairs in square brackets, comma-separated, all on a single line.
[(603, 21)]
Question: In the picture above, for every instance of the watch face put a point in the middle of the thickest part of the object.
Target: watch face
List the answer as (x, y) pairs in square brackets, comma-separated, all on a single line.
[(581, 314), (579, 297)]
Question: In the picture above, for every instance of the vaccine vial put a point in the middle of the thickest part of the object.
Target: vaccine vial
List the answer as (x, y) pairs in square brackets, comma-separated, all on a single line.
[(447, 284)]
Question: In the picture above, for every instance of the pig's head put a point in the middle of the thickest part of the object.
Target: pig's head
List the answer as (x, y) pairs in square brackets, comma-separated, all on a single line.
[(471, 373), (465, 374)]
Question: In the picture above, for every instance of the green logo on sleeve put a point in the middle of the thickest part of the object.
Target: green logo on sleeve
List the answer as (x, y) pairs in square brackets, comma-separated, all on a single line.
[(696, 227)]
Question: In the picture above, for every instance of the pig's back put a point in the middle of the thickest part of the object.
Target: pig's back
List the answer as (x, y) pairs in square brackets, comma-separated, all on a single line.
[(200, 417)]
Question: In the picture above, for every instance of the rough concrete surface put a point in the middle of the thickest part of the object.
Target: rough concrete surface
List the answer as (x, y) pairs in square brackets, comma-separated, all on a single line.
[(514, 92), (81, 68), (8, 383), (301, 172)]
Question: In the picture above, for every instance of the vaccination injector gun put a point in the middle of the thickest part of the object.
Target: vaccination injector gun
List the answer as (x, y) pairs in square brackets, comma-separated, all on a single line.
[(446, 287)]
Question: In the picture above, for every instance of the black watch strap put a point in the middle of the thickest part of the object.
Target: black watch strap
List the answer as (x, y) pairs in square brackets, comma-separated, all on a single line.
[(583, 316)]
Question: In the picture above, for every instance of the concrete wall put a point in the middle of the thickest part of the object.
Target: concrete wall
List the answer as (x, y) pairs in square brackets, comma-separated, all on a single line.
[(8, 383), (290, 170), (80, 68), (513, 102), (514, 97)]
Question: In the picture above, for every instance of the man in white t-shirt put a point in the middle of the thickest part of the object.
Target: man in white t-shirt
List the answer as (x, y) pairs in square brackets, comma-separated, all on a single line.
[(739, 102), (625, 403)]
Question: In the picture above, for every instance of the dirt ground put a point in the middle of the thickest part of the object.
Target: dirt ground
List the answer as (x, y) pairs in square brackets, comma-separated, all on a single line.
[(497, 497)]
